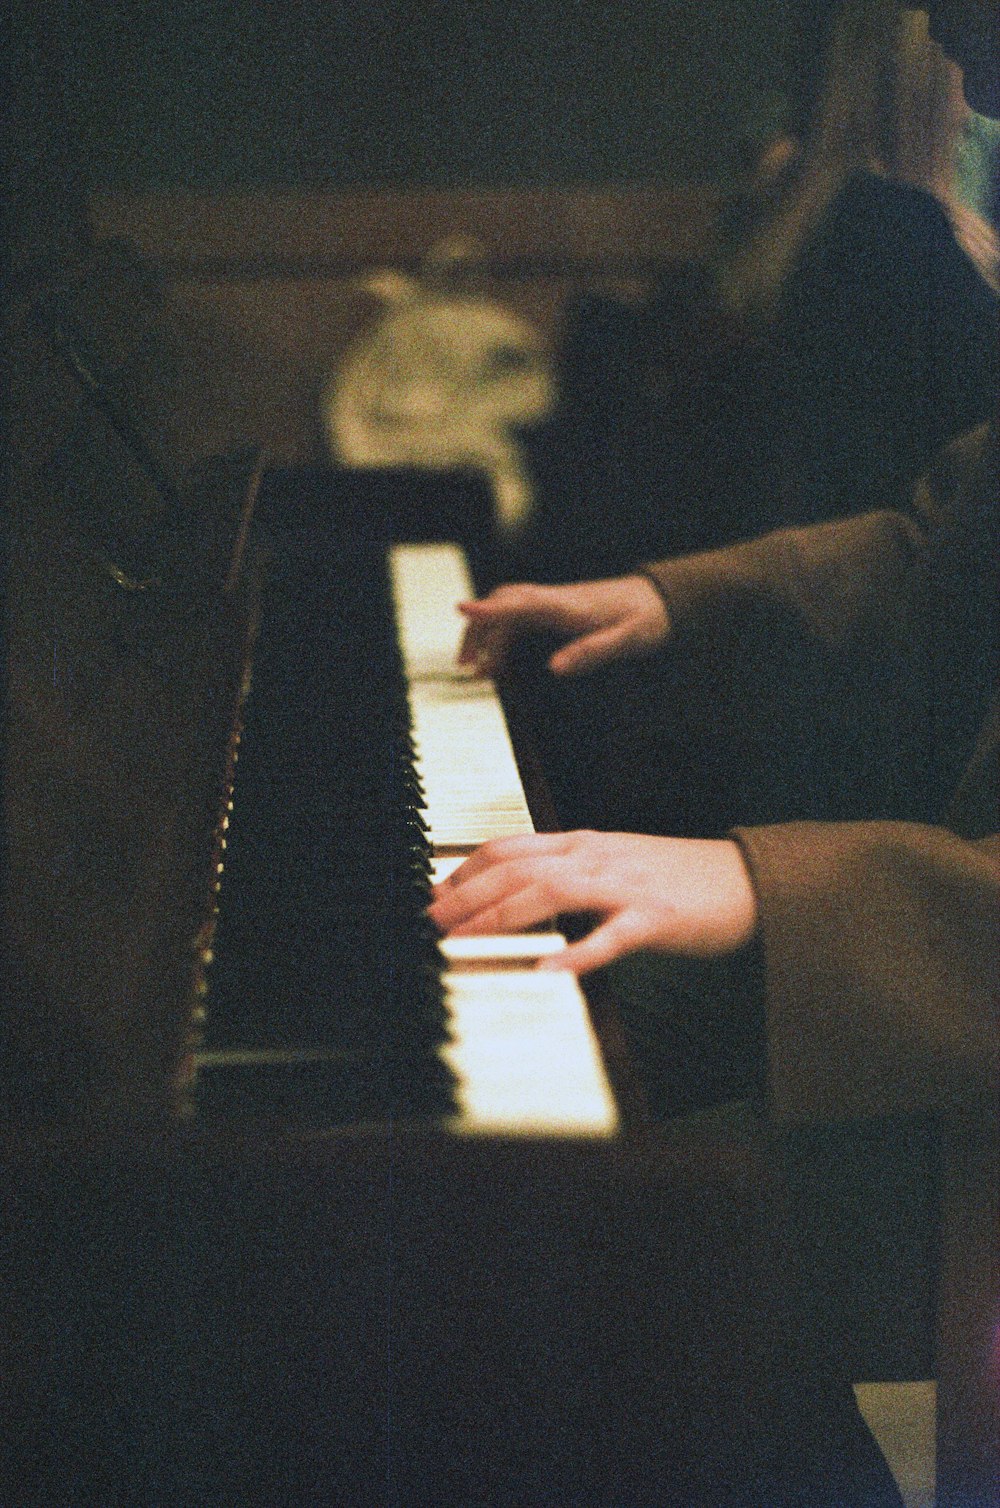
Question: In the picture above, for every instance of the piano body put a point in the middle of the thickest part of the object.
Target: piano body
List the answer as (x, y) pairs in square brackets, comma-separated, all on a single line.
[(328, 1216), (327, 991)]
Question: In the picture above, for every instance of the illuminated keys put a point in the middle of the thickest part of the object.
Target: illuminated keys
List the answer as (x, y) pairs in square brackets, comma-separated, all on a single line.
[(428, 580), (524, 1056), (522, 1049), (466, 764)]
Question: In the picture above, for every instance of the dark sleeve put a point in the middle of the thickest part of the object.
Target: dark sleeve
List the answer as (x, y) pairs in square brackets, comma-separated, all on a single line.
[(880, 939), (841, 582), (882, 967)]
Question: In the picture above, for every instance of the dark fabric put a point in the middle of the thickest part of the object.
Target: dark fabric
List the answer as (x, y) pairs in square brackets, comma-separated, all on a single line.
[(676, 433), (660, 409), (676, 430), (885, 348), (413, 1320), (881, 939)]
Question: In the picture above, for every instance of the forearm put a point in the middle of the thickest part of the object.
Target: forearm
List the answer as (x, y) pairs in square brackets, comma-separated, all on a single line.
[(840, 581)]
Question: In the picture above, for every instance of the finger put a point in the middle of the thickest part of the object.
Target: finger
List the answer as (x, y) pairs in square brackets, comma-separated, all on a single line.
[(503, 601), (513, 913), (613, 939), (500, 850), (484, 646), (590, 650), (487, 631), (453, 912), (525, 605), (491, 626), (478, 607), (467, 647), (451, 907)]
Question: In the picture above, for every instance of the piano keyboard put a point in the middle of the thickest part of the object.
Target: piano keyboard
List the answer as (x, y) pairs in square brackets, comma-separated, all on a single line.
[(329, 1000), (523, 1050), (463, 750)]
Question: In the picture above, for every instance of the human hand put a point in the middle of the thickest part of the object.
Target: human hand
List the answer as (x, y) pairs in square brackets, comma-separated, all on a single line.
[(623, 615), (688, 896)]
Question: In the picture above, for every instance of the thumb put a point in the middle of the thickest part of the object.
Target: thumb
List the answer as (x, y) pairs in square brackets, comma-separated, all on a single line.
[(611, 940), (590, 650)]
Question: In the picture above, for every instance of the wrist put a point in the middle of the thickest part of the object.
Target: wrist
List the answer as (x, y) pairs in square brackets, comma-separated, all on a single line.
[(739, 898), (658, 602)]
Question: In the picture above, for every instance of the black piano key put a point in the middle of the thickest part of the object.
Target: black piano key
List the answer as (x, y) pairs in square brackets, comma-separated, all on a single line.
[(322, 946)]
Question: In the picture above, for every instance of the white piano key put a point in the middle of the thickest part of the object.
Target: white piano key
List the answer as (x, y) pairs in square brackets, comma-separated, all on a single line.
[(465, 760), (519, 947), (522, 1046), (442, 867), (428, 580), (470, 734), (525, 1056)]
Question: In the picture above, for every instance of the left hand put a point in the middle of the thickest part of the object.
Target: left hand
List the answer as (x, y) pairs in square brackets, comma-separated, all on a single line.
[(676, 895)]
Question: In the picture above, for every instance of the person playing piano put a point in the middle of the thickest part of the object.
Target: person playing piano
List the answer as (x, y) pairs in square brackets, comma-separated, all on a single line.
[(875, 944)]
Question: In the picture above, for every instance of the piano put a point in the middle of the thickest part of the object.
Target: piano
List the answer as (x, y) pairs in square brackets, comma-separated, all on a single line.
[(340, 1213), (327, 998)]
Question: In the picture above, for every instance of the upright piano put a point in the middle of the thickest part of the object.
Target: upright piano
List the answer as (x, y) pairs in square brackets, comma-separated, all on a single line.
[(299, 1204), (328, 999)]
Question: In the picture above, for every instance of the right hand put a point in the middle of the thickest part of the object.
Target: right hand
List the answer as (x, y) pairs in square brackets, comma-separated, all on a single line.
[(686, 896), (602, 620)]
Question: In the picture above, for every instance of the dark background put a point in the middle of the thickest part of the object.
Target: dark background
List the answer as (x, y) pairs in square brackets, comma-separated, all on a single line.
[(203, 94)]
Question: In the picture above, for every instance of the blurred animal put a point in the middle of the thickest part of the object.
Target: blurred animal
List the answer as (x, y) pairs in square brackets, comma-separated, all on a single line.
[(443, 379)]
